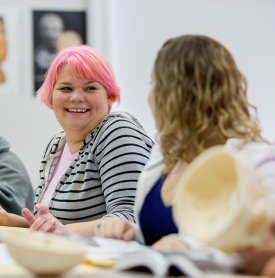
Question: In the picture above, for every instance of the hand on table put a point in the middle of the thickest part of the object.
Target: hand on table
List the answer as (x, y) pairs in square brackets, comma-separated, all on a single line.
[(258, 260), (4, 217), (113, 227), (44, 221), (170, 243)]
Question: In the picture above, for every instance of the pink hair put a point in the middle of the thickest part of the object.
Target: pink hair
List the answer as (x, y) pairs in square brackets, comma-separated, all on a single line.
[(86, 63)]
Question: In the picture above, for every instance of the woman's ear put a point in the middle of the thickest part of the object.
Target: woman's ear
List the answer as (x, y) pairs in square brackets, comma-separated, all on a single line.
[(109, 107), (110, 103), (51, 104)]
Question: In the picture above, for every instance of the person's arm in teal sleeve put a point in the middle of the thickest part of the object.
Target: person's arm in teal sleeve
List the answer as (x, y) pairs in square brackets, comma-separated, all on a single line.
[(16, 191)]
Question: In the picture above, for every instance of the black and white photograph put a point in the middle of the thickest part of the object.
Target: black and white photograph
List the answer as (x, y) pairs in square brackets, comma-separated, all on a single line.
[(52, 32), (10, 55)]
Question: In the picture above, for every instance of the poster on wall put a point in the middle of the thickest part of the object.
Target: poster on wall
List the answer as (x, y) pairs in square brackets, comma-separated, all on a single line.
[(52, 32), (10, 52), (3, 48)]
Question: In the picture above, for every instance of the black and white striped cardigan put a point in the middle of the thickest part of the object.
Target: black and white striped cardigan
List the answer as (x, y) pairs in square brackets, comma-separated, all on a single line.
[(103, 178)]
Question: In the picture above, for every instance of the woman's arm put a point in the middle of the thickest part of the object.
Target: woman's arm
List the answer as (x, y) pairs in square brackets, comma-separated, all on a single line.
[(112, 227), (105, 226), (121, 154), (256, 260)]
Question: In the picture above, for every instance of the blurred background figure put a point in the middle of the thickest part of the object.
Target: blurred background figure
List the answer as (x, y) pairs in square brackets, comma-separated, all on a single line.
[(53, 33), (16, 191), (3, 48), (67, 39), (198, 99), (50, 28)]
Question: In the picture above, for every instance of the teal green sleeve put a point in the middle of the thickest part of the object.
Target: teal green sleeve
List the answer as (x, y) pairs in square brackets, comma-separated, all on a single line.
[(16, 191)]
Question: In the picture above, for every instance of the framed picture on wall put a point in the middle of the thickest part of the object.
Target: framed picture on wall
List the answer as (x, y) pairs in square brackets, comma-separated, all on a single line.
[(10, 53), (52, 32)]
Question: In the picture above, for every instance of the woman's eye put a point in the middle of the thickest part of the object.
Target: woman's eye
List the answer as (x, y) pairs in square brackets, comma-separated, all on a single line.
[(65, 89), (91, 88)]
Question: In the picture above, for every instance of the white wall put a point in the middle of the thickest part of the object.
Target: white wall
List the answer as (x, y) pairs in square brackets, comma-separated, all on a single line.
[(246, 27), (129, 33), (28, 126)]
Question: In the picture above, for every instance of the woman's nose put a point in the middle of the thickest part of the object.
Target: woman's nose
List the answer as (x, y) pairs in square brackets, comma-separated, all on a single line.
[(77, 95)]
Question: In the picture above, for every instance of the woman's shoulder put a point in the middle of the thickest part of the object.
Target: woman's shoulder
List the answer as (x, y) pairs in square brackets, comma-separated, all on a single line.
[(123, 124), (118, 125), (123, 118), (155, 162)]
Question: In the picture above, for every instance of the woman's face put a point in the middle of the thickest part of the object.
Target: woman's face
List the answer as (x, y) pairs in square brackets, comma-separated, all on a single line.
[(79, 105)]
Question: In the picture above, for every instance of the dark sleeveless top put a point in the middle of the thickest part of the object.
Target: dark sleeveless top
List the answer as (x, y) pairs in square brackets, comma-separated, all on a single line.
[(155, 218)]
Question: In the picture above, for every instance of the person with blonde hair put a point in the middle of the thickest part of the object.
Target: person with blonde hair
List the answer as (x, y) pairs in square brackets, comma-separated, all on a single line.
[(89, 170), (199, 100)]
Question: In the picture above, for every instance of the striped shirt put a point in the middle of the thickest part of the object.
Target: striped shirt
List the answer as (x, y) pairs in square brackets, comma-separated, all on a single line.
[(102, 180)]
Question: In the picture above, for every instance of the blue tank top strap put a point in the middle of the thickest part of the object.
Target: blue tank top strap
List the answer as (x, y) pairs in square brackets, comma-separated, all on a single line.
[(156, 219)]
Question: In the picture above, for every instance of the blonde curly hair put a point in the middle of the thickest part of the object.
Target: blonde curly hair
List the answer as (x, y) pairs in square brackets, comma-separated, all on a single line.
[(199, 98)]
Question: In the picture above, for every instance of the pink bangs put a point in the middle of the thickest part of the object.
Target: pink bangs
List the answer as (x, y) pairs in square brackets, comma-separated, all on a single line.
[(85, 63)]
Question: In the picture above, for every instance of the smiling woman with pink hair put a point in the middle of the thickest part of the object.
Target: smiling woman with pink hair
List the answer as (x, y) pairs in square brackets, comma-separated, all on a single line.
[(89, 170)]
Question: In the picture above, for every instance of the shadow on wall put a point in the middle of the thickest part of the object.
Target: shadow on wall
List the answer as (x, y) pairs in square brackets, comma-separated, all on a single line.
[(28, 126)]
